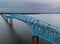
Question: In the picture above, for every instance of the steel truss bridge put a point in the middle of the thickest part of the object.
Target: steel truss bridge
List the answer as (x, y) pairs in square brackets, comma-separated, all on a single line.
[(37, 27)]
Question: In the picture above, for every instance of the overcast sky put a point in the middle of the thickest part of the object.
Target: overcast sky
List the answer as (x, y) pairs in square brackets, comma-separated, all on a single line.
[(29, 5)]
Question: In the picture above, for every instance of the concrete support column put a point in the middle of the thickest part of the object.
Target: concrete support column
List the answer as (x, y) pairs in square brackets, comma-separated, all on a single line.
[(6, 19), (11, 23), (35, 38)]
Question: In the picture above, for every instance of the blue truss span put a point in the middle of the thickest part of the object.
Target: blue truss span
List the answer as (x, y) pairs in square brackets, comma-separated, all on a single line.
[(39, 28)]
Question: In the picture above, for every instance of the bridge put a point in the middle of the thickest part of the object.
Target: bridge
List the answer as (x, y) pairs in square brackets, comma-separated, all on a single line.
[(38, 28)]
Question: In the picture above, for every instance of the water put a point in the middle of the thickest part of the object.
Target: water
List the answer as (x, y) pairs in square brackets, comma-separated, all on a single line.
[(20, 33), (49, 18)]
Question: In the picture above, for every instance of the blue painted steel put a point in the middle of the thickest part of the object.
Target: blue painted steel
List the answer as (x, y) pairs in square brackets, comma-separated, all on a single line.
[(39, 27)]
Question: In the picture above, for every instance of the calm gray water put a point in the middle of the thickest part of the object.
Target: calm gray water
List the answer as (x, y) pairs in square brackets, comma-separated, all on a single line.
[(20, 33), (49, 18)]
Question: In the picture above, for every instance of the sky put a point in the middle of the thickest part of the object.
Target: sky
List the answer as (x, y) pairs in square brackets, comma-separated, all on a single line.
[(30, 6)]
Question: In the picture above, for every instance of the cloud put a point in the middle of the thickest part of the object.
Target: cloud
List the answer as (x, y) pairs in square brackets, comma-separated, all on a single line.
[(29, 5)]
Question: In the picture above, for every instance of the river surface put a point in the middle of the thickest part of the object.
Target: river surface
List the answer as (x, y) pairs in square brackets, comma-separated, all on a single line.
[(20, 33)]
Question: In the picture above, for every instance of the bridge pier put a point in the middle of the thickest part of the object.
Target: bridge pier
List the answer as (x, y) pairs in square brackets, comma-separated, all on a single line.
[(11, 23), (8, 20), (35, 38)]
